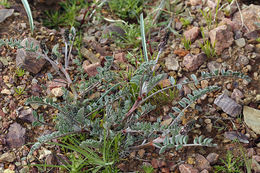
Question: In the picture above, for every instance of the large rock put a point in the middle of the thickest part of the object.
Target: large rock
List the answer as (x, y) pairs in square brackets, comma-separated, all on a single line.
[(252, 118), (202, 163), (192, 34), (15, 137), (251, 15), (4, 13), (228, 105), (221, 37), (28, 60), (193, 62)]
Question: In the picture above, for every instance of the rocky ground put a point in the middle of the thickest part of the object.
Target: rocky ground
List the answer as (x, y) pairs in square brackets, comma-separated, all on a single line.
[(231, 113)]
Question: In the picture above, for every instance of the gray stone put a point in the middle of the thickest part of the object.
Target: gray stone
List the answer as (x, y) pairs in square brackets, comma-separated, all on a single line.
[(212, 158), (228, 105), (252, 118), (240, 42), (4, 13), (114, 30), (26, 115), (214, 65), (7, 157), (89, 55), (242, 60), (28, 60), (171, 63), (15, 137)]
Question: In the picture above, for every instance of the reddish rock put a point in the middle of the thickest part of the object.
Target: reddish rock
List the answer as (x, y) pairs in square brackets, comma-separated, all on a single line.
[(28, 60), (192, 34), (181, 52), (195, 2), (2, 114), (36, 89), (15, 136), (165, 170), (193, 62), (202, 163), (250, 17), (56, 83), (204, 171), (233, 25), (221, 37), (212, 158), (91, 69), (155, 163), (122, 167), (186, 168), (120, 57)]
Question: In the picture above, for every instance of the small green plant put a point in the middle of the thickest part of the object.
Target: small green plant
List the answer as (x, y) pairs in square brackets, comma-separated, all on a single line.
[(148, 169), (258, 39), (5, 3), (207, 15), (230, 165), (185, 22), (19, 72), (90, 156), (186, 43), (126, 9), (19, 91), (207, 47), (66, 15)]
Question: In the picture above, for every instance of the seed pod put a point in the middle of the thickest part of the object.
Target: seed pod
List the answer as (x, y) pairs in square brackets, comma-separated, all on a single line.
[(67, 35)]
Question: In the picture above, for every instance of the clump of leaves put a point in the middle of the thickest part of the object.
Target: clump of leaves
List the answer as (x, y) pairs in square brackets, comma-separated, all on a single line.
[(121, 105), (19, 91), (66, 15), (230, 164), (186, 43), (19, 72), (126, 9), (5, 3)]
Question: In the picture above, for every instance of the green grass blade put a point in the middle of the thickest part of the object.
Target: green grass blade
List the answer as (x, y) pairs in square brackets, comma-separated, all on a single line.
[(29, 14), (143, 37)]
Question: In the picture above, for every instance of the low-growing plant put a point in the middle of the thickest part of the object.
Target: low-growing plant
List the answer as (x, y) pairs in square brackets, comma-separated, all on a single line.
[(19, 91), (126, 9), (19, 72), (5, 3), (230, 164), (185, 22), (90, 156), (207, 47), (148, 169), (121, 105), (186, 43), (66, 15), (207, 15)]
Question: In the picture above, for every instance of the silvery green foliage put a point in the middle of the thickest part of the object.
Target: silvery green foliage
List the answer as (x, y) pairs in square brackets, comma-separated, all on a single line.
[(116, 99), (17, 43)]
